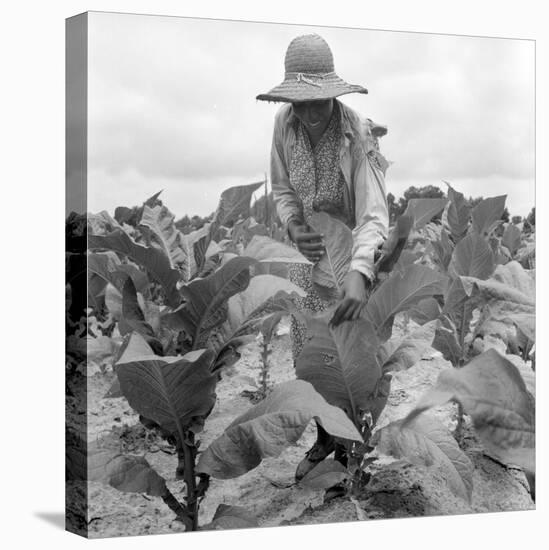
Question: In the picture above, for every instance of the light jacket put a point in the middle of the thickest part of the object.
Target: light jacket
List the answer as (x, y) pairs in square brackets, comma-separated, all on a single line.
[(363, 169)]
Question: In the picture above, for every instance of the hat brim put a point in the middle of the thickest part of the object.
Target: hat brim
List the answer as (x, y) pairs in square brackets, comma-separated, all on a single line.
[(293, 90)]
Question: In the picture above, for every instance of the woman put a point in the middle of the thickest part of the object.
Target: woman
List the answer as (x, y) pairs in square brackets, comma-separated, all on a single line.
[(325, 157)]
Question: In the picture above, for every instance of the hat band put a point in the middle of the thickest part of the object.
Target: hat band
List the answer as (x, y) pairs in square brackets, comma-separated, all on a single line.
[(308, 77)]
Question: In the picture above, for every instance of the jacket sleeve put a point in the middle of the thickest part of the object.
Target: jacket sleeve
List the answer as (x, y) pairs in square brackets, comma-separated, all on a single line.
[(288, 206), (371, 209)]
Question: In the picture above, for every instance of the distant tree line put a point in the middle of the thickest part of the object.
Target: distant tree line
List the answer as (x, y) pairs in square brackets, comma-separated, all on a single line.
[(187, 225)]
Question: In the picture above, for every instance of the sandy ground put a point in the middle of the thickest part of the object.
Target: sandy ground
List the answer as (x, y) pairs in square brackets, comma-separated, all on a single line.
[(396, 490)]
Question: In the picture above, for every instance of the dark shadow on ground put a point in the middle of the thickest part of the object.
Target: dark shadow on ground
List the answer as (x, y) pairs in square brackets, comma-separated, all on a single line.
[(57, 519)]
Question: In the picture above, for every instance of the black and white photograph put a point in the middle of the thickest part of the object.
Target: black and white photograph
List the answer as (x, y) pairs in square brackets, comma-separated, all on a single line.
[(301, 266)]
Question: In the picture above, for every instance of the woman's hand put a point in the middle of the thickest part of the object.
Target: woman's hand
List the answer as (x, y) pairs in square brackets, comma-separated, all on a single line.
[(308, 242), (356, 289)]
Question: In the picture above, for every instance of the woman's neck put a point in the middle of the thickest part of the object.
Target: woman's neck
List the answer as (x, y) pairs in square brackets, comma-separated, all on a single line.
[(315, 134)]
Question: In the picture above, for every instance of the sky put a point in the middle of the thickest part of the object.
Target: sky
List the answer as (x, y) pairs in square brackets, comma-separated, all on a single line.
[(171, 106)]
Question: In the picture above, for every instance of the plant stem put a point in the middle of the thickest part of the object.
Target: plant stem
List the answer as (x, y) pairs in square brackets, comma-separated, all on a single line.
[(459, 426), (462, 336), (180, 470), (264, 375), (189, 454), (180, 511)]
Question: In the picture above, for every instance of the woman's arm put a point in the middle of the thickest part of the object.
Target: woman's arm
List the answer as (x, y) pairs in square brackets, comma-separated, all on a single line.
[(372, 226), (371, 212)]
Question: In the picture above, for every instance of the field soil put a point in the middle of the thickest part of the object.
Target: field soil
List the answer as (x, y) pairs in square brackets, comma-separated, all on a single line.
[(395, 490)]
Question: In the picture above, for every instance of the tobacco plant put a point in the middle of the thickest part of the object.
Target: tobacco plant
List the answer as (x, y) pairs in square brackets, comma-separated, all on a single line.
[(183, 305), (350, 365), (486, 330)]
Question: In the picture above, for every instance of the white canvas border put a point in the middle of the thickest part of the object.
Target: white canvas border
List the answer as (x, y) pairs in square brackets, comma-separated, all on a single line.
[(33, 101)]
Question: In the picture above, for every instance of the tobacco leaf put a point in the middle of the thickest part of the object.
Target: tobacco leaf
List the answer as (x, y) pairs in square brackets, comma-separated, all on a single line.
[(486, 215), (269, 427), (404, 353), (177, 393), (493, 393), (341, 363), (472, 257), (424, 441), (330, 271), (424, 210), (324, 475), (153, 260), (231, 517), (399, 292), (205, 306)]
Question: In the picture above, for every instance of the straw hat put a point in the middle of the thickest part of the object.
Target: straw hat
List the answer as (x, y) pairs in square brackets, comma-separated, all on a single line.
[(310, 74)]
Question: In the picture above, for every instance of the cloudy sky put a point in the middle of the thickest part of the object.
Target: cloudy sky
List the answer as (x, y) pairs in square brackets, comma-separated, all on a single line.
[(172, 106)]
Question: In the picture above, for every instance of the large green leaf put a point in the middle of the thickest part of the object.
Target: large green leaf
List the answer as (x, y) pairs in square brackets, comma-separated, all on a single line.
[(153, 260), (127, 473), (231, 517), (101, 461), (424, 311), (273, 256), (492, 391), (402, 353), (456, 321), (399, 292), (132, 216), (235, 203), (493, 290), (175, 392), (512, 238), (487, 214), (198, 248), (508, 301), (526, 255), (159, 222), (424, 210), (505, 310), (443, 248), (265, 249), (514, 275), (264, 295), (425, 442), (458, 214), (205, 306), (330, 271), (131, 310), (342, 365), (269, 427), (406, 258), (243, 232), (324, 475), (107, 266), (447, 341), (102, 223), (133, 318), (394, 245), (472, 257)]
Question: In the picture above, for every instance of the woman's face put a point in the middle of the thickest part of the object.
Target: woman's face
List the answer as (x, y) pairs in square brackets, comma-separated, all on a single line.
[(315, 115)]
